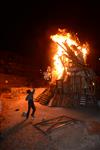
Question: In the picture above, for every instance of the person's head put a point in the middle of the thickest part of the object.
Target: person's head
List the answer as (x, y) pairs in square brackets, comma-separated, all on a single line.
[(28, 91)]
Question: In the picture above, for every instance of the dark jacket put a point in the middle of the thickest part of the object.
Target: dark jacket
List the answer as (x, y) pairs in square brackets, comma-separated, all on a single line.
[(29, 97)]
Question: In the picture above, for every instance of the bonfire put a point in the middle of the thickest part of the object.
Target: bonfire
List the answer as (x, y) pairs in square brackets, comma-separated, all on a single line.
[(69, 71)]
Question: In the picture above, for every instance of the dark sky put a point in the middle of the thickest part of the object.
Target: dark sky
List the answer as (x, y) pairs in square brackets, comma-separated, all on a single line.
[(25, 27)]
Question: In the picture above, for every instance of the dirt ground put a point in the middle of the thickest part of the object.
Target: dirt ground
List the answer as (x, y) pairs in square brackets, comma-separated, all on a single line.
[(17, 133)]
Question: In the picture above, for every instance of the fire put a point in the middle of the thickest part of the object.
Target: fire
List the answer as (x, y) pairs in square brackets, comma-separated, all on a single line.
[(67, 44), (57, 63)]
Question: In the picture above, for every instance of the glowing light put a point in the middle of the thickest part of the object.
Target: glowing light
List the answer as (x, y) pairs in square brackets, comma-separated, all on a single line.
[(63, 38)]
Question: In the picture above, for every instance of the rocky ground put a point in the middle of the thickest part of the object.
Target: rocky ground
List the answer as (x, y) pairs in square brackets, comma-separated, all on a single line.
[(17, 133)]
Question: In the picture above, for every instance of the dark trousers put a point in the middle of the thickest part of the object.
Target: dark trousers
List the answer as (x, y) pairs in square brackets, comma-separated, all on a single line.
[(31, 105)]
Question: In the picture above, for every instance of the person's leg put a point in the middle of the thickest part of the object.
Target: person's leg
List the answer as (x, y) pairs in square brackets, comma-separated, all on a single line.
[(33, 109), (29, 107)]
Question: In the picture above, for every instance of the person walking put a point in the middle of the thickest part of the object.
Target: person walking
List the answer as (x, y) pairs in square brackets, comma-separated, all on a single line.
[(31, 105)]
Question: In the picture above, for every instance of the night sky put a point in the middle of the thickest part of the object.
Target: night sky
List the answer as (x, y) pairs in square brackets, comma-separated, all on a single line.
[(25, 28)]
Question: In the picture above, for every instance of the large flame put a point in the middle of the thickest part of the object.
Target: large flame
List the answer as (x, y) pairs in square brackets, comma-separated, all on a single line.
[(63, 38)]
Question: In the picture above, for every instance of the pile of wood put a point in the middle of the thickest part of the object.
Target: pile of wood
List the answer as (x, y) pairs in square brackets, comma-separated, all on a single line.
[(78, 88)]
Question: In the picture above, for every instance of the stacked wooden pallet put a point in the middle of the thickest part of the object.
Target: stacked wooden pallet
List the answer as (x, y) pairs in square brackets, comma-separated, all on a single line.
[(44, 97)]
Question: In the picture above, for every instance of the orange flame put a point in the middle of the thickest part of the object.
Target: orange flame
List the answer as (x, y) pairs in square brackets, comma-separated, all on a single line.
[(62, 38)]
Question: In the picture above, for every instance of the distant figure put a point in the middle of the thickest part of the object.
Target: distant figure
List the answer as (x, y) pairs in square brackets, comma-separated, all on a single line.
[(30, 100)]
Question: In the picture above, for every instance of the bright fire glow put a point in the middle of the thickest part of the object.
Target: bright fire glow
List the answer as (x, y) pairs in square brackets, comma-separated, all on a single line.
[(62, 39)]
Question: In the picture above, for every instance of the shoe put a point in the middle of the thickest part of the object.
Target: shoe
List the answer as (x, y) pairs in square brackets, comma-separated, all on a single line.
[(26, 117), (33, 116)]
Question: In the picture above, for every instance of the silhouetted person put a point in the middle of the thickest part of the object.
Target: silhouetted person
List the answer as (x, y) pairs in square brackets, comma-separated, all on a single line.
[(30, 100)]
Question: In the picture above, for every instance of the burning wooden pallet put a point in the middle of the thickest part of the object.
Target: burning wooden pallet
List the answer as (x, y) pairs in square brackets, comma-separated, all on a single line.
[(45, 96), (73, 79)]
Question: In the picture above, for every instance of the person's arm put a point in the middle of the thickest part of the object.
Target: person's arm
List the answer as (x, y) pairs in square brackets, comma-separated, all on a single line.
[(26, 98), (33, 90)]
